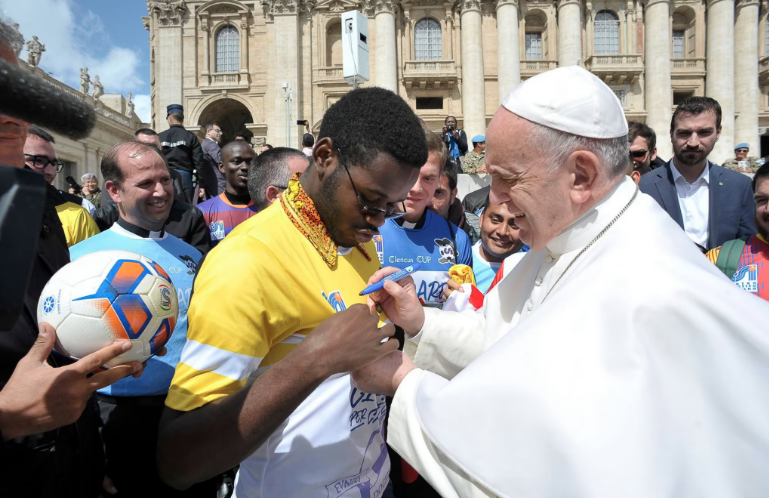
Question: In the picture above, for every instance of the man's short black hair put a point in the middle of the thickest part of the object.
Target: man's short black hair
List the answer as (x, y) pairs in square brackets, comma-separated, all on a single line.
[(270, 168), (110, 167), (762, 172), (636, 129), (177, 116), (450, 170), (696, 106), (369, 121), (210, 126), (41, 133), (308, 140), (268, 146), (145, 131)]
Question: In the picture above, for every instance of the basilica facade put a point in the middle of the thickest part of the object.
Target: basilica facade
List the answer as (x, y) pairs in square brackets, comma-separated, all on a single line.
[(263, 65)]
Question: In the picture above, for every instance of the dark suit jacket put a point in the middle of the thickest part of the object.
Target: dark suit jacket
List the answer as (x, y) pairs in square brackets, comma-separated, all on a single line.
[(732, 209)]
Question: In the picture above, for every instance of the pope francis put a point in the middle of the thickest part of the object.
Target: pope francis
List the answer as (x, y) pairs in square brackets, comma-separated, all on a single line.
[(614, 361)]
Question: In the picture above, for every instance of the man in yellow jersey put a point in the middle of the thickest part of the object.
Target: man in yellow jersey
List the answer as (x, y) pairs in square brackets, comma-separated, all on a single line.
[(263, 379)]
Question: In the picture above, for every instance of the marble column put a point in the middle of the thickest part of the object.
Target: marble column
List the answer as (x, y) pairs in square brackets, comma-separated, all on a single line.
[(658, 91), (288, 37), (385, 62), (720, 67), (746, 94), (508, 50), (169, 69), (244, 49), (473, 84), (569, 32)]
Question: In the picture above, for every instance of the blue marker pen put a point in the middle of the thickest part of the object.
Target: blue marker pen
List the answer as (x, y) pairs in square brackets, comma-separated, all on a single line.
[(394, 277)]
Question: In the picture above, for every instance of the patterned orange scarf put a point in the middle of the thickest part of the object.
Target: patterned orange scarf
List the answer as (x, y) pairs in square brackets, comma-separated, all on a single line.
[(303, 214)]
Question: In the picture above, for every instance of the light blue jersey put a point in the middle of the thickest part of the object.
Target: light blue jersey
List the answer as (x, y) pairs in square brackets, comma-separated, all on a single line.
[(180, 261), (483, 270), (432, 246)]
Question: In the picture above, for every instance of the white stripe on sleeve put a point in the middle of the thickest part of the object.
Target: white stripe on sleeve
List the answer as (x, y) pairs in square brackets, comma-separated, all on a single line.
[(207, 358)]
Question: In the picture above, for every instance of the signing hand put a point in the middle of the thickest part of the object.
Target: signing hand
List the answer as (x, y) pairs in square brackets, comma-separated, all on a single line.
[(451, 286), (40, 398), (398, 300)]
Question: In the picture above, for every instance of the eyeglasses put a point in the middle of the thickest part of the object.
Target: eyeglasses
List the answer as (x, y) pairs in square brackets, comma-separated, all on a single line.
[(742, 150), (638, 154), (42, 162), (364, 209)]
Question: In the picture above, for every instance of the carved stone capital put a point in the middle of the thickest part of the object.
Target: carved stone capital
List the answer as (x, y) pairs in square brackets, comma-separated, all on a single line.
[(168, 13), (744, 3), (649, 3), (501, 3), (146, 22), (713, 2), (308, 7), (562, 3), (374, 7), (468, 6)]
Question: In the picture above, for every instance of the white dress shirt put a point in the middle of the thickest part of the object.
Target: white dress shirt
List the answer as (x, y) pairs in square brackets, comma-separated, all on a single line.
[(694, 201)]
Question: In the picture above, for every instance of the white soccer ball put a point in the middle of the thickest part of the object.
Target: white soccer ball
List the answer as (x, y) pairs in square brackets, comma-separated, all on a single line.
[(107, 296)]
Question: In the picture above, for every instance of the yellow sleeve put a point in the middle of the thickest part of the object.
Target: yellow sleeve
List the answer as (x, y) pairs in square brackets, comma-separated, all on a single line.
[(85, 226), (242, 305), (713, 254)]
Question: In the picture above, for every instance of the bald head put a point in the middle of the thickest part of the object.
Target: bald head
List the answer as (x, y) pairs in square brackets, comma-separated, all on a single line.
[(236, 147), (117, 161)]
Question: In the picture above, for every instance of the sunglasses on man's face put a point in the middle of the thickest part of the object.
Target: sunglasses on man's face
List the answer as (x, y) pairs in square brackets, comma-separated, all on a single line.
[(638, 154)]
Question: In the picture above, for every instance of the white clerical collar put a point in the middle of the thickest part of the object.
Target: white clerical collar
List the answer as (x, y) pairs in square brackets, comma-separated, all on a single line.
[(148, 235), (344, 251), (585, 229), (704, 176)]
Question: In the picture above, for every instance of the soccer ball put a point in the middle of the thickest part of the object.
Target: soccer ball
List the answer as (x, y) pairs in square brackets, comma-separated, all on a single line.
[(109, 295)]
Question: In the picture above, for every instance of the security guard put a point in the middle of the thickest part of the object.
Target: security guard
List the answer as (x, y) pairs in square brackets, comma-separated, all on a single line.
[(182, 149), (474, 161), (742, 162)]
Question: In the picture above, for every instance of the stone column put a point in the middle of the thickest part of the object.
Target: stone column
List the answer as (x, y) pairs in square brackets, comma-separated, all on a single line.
[(473, 84), (243, 49), (569, 32), (746, 94), (385, 61), (287, 36), (168, 76), (658, 91), (449, 32), (720, 67), (508, 51)]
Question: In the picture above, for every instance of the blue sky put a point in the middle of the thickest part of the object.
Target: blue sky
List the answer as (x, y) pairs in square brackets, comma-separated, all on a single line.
[(106, 36)]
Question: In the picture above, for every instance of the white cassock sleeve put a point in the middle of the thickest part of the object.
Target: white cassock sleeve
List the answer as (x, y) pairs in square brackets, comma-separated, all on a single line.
[(448, 341), (405, 435)]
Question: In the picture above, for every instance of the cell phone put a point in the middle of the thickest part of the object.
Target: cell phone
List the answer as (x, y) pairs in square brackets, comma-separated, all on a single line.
[(301, 122)]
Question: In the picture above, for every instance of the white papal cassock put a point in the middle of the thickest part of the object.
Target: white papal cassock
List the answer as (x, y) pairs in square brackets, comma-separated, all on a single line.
[(645, 373)]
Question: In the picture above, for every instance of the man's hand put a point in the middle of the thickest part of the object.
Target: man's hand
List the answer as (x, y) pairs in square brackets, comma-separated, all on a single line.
[(444, 131), (40, 398), (347, 341), (85, 191), (202, 193), (398, 300), (385, 375), (451, 286)]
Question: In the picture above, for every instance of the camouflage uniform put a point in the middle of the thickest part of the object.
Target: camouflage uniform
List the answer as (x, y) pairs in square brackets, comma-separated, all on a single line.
[(472, 161), (753, 164)]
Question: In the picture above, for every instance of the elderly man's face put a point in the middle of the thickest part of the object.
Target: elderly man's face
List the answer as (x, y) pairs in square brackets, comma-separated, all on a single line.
[(91, 184), (537, 197)]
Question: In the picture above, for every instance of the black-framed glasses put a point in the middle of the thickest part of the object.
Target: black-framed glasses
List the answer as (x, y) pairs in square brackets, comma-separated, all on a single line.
[(41, 162), (367, 210), (638, 154), (741, 150)]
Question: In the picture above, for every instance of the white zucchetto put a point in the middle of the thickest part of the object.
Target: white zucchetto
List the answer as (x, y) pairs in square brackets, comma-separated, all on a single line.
[(570, 99)]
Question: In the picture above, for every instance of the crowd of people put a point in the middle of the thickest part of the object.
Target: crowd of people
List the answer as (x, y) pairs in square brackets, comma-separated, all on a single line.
[(601, 349)]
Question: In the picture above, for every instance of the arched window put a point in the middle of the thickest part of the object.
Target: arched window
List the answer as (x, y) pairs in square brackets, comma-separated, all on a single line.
[(227, 50), (427, 40), (334, 45), (606, 32)]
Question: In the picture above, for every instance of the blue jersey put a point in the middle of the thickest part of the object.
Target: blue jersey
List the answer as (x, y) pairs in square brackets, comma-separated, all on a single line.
[(483, 270), (432, 246), (180, 261)]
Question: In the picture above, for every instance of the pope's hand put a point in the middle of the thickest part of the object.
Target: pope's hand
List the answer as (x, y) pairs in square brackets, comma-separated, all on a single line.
[(451, 286), (384, 375), (398, 300)]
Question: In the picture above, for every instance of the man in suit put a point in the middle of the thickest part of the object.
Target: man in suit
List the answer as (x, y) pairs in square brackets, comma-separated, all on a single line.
[(712, 204)]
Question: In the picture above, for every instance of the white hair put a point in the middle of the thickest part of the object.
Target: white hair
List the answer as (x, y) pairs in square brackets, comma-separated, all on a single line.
[(87, 176), (613, 153)]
